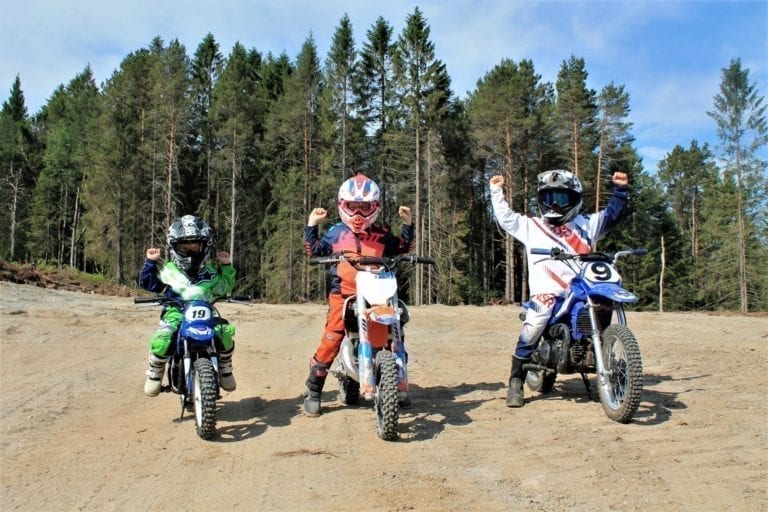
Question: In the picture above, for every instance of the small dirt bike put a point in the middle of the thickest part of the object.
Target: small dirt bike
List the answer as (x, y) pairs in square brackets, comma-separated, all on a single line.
[(581, 336), (193, 369), (372, 359)]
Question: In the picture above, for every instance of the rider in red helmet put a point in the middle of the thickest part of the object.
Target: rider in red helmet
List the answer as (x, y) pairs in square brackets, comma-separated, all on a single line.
[(359, 205)]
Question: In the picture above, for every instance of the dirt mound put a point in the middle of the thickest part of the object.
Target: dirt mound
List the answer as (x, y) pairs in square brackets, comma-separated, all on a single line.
[(62, 279)]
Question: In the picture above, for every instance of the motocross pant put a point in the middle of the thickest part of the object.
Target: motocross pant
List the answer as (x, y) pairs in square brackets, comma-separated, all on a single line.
[(330, 342), (160, 344), (536, 318)]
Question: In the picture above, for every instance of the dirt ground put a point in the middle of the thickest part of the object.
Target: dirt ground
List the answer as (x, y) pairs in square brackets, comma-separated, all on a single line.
[(78, 434)]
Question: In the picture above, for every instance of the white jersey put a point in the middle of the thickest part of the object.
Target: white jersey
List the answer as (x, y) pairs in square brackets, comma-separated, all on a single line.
[(577, 236)]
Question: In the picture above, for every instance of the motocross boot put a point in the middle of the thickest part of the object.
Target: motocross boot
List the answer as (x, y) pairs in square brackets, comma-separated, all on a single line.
[(315, 382), (154, 381), (226, 379), (516, 379)]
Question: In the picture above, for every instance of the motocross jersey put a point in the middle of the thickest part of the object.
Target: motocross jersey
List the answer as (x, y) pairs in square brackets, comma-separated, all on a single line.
[(578, 236), (209, 282), (375, 241)]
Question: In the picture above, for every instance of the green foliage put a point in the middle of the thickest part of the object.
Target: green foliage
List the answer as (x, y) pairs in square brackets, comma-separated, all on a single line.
[(253, 141)]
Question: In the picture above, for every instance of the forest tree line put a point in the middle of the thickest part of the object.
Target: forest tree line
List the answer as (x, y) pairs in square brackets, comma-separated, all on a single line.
[(252, 142)]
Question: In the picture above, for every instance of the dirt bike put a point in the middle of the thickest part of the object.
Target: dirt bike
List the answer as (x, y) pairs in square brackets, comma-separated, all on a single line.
[(372, 360), (193, 370), (582, 335)]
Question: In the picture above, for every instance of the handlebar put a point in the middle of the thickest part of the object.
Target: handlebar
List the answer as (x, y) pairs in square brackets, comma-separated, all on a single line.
[(556, 253), (162, 299), (359, 260)]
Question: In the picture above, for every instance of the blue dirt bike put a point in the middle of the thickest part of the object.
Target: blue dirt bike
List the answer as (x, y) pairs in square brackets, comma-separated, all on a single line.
[(193, 370), (588, 333)]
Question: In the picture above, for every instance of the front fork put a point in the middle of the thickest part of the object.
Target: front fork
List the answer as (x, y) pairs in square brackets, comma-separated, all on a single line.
[(366, 372), (597, 341), (189, 378)]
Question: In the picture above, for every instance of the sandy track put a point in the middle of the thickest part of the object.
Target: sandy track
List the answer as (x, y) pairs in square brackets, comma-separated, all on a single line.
[(77, 433)]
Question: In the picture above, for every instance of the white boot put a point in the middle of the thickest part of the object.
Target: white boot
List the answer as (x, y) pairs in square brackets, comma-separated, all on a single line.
[(226, 379), (155, 372)]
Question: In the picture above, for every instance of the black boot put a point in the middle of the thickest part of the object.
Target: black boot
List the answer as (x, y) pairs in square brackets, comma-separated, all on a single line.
[(315, 383), (516, 379)]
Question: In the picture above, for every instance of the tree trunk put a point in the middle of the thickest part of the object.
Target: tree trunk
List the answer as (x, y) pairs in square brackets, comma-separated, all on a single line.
[(509, 244), (417, 296), (661, 276)]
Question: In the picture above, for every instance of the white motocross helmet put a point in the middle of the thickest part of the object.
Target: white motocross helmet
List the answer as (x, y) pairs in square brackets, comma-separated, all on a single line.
[(559, 196), (358, 201)]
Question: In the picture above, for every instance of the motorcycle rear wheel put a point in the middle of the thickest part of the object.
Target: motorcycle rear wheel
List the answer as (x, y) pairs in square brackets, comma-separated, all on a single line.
[(349, 390), (622, 392), (540, 381), (385, 398), (204, 398)]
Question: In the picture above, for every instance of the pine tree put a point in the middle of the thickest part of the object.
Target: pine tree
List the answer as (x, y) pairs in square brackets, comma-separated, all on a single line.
[(576, 113), (340, 71), (381, 114), (422, 79), (292, 132), (55, 230), (614, 135), (205, 72), (119, 188), (741, 126), (509, 110), (17, 143)]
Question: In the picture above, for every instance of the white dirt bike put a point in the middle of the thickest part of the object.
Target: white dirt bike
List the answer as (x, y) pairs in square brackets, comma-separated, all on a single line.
[(372, 360)]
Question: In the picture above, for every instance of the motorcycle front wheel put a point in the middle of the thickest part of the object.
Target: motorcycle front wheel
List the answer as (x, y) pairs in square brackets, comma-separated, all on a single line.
[(623, 387), (204, 397), (385, 398)]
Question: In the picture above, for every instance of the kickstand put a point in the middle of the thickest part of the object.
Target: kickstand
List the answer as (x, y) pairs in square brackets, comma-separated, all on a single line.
[(585, 380)]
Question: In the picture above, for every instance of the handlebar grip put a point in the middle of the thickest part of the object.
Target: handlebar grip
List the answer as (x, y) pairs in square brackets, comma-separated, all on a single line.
[(144, 300), (542, 252), (641, 251), (321, 261), (244, 298)]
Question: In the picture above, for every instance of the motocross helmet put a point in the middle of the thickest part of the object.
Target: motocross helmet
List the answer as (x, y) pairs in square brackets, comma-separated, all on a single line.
[(189, 229), (559, 196), (358, 202)]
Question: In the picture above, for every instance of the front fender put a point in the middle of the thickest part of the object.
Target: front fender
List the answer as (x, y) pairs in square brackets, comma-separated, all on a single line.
[(613, 293)]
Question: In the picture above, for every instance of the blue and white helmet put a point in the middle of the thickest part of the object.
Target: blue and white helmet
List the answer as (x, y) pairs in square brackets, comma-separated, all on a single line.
[(559, 196), (189, 229)]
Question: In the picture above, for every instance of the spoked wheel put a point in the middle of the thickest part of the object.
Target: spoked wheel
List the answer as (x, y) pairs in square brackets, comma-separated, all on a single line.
[(540, 381), (622, 390), (204, 396), (385, 398), (349, 390)]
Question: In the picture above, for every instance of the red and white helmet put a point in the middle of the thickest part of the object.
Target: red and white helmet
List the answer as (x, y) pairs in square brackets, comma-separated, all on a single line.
[(358, 202)]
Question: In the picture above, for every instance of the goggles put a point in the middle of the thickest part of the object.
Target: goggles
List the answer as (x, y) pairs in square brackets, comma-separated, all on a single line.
[(363, 208), (556, 198), (188, 248)]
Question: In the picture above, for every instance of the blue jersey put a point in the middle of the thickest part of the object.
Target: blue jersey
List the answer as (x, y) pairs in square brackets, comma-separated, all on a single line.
[(375, 241)]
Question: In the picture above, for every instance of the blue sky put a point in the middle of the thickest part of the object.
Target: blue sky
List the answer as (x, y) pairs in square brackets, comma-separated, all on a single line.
[(668, 54)]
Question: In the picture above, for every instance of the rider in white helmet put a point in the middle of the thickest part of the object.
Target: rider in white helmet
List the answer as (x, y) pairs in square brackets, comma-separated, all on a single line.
[(560, 225), (358, 202)]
